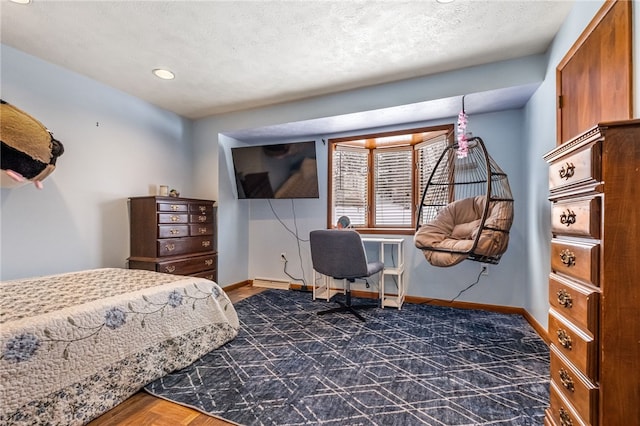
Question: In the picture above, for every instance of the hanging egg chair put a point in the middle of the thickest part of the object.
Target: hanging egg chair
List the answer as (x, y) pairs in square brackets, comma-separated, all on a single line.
[(466, 209)]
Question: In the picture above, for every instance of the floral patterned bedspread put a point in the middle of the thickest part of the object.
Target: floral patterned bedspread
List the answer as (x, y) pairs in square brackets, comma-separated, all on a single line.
[(73, 346)]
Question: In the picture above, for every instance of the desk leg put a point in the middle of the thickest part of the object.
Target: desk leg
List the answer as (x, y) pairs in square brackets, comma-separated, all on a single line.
[(382, 277), (326, 290), (398, 272)]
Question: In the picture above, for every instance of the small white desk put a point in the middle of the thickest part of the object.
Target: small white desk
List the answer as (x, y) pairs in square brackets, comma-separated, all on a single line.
[(393, 268)]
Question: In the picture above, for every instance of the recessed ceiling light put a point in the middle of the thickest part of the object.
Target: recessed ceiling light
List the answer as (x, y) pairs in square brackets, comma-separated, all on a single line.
[(21, 1), (164, 74), (445, 1)]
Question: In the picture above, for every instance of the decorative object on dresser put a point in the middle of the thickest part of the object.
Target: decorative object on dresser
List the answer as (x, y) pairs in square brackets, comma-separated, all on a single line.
[(594, 291), (173, 235)]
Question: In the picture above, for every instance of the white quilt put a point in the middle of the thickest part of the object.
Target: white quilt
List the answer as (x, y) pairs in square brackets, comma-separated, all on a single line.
[(73, 346)]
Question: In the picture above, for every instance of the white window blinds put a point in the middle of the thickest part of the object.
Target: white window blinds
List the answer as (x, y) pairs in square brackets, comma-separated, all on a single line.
[(393, 186), (378, 180), (428, 153), (350, 171)]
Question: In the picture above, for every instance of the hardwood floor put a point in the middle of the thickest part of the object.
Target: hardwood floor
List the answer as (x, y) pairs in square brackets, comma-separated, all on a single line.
[(143, 409)]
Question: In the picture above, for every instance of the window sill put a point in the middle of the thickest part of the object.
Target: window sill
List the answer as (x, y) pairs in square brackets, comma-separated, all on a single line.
[(385, 231)]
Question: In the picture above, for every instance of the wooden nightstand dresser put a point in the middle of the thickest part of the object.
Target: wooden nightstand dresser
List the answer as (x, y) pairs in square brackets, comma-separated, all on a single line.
[(594, 285), (173, 235)]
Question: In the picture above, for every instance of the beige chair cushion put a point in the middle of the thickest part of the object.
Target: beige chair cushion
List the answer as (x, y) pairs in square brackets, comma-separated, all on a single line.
[(456, 226)]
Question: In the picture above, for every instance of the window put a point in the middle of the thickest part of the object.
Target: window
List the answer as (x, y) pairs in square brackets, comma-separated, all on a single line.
[(377, 180)]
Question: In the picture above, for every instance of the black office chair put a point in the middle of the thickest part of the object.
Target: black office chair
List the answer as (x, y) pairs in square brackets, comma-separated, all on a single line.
[(340, 254)]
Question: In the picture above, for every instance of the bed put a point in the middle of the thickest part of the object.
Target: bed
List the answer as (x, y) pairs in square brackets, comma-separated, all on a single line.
[(75, 345)]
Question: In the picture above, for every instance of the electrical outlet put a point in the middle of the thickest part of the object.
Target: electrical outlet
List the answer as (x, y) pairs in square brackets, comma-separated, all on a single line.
[(484, 269), (283, 257)]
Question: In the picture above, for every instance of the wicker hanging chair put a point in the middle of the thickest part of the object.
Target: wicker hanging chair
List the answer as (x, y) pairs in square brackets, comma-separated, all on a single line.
[(466, 209)]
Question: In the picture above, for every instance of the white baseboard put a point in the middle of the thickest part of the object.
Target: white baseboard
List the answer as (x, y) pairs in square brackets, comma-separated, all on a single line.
[(271, 283)]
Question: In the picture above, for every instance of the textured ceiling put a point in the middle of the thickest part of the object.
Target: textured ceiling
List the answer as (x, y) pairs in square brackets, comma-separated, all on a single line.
[(236, 55)]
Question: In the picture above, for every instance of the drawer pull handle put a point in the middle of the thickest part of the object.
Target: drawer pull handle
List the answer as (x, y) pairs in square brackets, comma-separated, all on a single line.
[(568, 218), (202, 230), (209, 277), (564, 339), (174, 231), (169, 269), (174, 207), (568, 257), (566, 380), (202, 218), (206, 243), (202, 209), (564, 298), (175, 218), (568, 173), (565, 418), (208, 262), (170, 247)]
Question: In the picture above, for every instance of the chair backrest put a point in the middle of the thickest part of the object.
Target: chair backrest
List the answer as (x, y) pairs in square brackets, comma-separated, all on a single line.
[(338, 253)]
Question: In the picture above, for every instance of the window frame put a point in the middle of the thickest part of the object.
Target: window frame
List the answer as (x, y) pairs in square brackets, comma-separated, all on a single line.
[(371, 142)]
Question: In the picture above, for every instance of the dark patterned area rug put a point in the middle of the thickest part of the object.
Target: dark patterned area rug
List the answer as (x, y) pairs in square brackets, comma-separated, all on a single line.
[(420, 365)]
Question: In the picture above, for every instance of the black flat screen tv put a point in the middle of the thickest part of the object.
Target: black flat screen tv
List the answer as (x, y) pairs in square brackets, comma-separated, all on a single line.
[(285, 170)]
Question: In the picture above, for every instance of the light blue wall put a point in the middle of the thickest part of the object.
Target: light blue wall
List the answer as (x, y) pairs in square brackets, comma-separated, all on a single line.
[(517, 139), (502, 133), (253, 233), (251, 238), (79, 220), (116, 146), (540, 133)]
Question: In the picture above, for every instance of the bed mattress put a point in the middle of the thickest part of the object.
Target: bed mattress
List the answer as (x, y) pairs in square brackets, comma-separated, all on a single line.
[(74, 345)]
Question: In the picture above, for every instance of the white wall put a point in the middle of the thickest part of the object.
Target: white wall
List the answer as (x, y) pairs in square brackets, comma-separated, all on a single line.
[(116, 146)]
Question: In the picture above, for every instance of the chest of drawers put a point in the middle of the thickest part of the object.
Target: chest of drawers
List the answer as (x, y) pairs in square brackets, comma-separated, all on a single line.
[(173, 235), (594, 285)]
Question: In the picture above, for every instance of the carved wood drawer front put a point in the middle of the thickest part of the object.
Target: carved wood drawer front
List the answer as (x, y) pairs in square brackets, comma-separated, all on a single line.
[(576, 388), (198, 208), (577, 302), (577, 168), (575, 259), (176, 246), (188, 266), (576, 217), (561, 410), (576, 345), (594, 291), (173, 235), (208, 275), (176, 207), (201, 229), (173, 231), (200, 218), (173, 218)]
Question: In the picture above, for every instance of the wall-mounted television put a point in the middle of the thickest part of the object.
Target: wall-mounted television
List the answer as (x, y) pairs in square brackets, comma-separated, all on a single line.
[(286, 170)]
